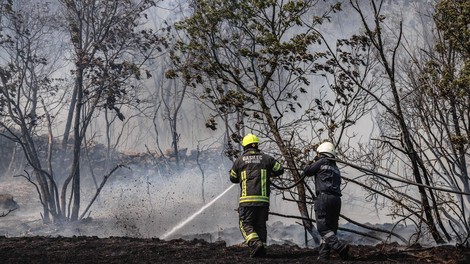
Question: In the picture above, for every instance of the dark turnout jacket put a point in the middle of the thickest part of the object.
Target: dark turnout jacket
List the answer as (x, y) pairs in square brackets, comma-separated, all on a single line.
[(327, 176), (253, 171)]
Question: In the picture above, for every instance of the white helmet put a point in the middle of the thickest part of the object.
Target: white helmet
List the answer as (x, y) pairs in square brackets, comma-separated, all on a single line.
[(327, 147)]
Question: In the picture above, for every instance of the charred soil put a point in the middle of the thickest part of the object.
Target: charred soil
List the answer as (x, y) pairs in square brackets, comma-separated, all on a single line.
[(85, 249)]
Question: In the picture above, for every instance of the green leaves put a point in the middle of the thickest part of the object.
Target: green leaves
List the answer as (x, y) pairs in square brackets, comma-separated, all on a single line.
[(253, 59), (453, 19), (111, 45)]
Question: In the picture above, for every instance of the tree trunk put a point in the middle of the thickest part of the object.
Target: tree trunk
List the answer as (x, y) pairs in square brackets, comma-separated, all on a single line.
[(68, 123), (414, 158), (75, 173), (376, 37), (301, 202)]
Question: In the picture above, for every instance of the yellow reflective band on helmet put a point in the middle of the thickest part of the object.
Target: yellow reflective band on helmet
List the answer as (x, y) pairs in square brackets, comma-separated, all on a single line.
[(263, 182), (243, 183), (277, 166), (254, 199)]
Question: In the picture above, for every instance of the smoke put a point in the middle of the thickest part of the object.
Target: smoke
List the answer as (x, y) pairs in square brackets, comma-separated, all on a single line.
[(147, 204), (148, 201)]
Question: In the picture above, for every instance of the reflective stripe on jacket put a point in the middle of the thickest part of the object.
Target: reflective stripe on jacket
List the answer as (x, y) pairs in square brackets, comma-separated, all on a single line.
[(252, 171)]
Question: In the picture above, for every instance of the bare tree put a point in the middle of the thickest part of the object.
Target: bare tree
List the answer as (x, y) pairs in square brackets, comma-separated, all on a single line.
[(109, 53), (110, 47), (438, 108), (173, 93), (420, 118), (29, 94)]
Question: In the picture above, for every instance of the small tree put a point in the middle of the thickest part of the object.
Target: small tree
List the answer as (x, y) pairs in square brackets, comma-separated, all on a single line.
[(253, 61)]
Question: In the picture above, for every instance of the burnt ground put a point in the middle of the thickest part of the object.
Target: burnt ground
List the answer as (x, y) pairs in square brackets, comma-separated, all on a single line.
[(19, 244), (83, 249)]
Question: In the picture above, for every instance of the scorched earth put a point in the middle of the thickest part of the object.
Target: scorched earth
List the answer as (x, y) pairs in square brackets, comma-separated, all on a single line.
[(82, 249)]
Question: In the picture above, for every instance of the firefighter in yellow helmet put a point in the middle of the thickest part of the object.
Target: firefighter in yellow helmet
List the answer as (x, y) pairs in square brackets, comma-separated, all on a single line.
[(328, 201), (253, 170)]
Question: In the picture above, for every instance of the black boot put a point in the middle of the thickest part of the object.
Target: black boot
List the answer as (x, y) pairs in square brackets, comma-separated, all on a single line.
[(258, 250), (324, 251), (341, 248), (344, 252)]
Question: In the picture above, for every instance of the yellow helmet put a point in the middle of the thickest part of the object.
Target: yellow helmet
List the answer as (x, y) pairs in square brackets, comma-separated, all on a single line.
[(250, 139)]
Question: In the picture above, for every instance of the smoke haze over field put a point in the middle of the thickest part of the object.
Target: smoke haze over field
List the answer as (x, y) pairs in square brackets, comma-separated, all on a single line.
[(145, 203)]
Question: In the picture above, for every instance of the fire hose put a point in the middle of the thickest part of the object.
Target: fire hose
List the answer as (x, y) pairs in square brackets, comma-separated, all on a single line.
[(374, 173)]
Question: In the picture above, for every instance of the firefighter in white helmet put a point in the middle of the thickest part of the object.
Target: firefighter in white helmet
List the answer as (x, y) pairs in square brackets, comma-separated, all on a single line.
[(253, 170), (328, 202)]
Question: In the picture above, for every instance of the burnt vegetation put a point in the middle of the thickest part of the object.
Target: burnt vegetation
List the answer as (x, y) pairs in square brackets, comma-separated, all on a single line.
[(90, 90)]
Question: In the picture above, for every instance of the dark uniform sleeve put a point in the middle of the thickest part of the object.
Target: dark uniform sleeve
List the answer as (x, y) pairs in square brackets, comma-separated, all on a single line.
[(234, 174), (312, 169)]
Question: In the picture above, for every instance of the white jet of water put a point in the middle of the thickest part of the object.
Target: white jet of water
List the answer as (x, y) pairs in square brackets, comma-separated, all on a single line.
[(183, 223)]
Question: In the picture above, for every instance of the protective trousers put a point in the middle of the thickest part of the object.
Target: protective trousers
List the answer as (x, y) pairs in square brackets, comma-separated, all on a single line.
[(253, 224), (327, 210)]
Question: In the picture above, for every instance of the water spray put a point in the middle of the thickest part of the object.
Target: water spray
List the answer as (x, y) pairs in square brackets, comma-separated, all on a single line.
[(183, 223)]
